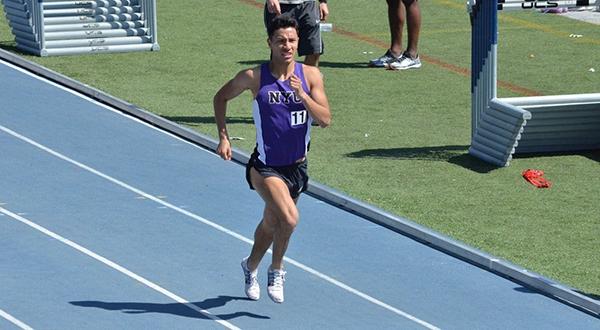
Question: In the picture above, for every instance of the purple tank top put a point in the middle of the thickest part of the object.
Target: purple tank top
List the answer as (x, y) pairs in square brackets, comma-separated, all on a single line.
[(282, 122)]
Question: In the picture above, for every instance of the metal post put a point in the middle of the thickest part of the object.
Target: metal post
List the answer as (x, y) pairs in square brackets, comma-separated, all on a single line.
[(40, 26)]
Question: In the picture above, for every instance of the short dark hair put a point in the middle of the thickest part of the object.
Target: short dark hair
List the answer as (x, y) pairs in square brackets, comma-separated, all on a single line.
[(281, 22)]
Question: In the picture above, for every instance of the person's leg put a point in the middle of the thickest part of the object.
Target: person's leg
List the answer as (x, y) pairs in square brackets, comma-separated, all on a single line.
[(279, 221), (312, 59), (311, 44), (413, 27), (410, 57), (396, 17), (278, 224), (263, 238)]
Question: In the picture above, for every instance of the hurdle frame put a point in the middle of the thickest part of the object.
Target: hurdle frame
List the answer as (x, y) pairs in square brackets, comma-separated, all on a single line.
[(29, 23), (555, 123)]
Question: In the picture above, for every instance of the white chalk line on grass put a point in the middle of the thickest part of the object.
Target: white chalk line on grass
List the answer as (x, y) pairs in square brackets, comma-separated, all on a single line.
[(218, 227)]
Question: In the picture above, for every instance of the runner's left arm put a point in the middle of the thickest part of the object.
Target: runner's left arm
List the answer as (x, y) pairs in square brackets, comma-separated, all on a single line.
[(316, 103)]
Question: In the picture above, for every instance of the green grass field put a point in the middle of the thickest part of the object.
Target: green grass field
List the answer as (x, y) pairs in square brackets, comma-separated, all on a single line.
[(399, 139)]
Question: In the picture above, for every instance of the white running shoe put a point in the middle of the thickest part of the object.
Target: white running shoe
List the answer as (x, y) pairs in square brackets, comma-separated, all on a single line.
[(275, 284), (252, 288), (405, 62)]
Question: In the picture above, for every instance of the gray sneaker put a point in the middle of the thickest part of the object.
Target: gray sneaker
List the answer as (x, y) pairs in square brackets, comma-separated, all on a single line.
[(384, 59), (405, 62)]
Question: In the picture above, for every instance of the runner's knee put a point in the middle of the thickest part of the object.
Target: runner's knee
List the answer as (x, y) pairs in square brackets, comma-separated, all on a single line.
[(289, 219)]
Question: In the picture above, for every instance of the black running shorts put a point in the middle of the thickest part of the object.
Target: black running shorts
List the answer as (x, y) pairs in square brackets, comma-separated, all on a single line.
[(295, 176)]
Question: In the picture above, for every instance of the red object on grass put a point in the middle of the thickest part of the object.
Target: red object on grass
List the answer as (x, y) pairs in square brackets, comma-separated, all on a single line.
[(536, 178)]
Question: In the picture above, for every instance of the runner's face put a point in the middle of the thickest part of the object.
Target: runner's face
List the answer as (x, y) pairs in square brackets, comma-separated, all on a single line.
[(284, 44)]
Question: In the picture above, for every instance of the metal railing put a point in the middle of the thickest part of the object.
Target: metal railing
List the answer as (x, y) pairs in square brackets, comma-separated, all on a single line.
[(149, 10), (77, 27), (554, 123), (36, 11)]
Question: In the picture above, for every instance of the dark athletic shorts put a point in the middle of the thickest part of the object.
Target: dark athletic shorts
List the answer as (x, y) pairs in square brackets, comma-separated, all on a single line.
[(308, 16), (295, 176)]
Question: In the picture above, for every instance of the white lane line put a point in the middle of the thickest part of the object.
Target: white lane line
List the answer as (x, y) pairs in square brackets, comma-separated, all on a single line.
[(118, 267), (219, 228), (14, 320), (107, 107)]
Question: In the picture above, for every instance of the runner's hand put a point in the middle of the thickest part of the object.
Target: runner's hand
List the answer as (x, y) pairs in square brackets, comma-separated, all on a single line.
[(224, 149), (296, 85)]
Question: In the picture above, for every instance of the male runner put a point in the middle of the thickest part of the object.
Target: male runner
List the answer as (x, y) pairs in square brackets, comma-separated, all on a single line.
[(288, 96)]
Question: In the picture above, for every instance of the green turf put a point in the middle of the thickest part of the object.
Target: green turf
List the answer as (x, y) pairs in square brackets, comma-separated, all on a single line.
[(399, 139)]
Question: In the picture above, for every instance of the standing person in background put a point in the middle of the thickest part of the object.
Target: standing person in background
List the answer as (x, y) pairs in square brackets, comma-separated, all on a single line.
[(308, 16), (288, 96), (398, 58)]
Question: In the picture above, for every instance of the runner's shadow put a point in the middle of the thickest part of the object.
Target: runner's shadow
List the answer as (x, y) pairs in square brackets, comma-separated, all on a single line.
[(453, 154), (178, 309)]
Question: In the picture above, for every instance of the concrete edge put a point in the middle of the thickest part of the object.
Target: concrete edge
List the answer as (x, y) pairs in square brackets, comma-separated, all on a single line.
[(398, 224)]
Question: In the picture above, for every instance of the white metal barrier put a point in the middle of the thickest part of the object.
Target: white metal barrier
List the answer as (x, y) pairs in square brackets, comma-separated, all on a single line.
[(63, 27), (498, 128)]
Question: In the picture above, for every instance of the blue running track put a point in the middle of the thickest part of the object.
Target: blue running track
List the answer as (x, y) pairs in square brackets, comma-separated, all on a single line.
[(109, 223)]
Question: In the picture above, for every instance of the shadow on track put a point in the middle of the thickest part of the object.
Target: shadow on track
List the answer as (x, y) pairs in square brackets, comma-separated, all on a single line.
[(171, 308)]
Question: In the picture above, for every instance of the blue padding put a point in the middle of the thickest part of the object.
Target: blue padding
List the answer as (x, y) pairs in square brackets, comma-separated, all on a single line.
[(484, 35)]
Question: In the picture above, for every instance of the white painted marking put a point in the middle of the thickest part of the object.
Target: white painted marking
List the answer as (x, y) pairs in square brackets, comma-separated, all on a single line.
[(219, 228), (14, 320), (118, 267), (102, 105)]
